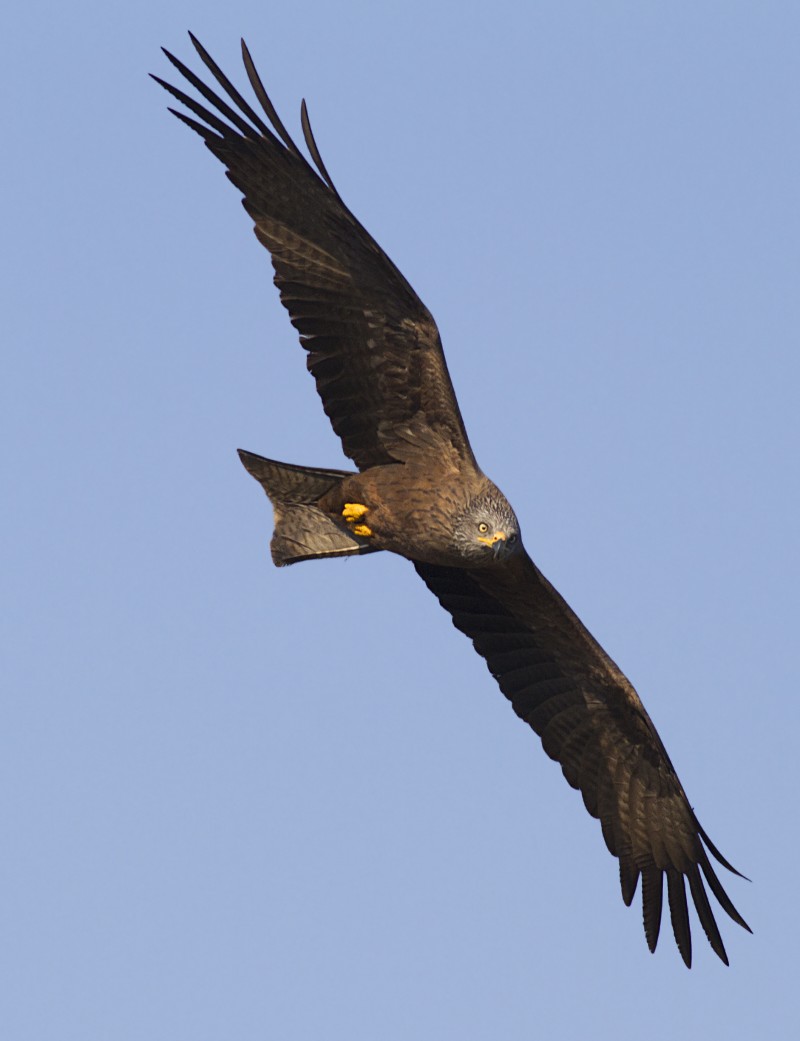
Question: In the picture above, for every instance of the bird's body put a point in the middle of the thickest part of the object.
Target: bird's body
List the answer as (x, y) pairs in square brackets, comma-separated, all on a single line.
[(407, 516), (375, 353)]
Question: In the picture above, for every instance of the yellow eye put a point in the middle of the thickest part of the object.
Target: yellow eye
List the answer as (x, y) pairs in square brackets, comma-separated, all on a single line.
[(483, 528)]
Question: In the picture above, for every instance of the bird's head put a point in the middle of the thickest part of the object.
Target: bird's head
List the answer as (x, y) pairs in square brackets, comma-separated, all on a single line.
[(487, 530)]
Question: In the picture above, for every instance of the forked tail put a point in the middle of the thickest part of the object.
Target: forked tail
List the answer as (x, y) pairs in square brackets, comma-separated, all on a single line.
[(302, 530)]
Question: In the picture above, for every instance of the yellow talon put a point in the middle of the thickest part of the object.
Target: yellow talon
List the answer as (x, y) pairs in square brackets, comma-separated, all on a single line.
[(353, 511)]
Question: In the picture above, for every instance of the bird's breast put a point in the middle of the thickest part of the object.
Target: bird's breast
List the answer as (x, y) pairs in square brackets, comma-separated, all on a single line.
[(406, 510)]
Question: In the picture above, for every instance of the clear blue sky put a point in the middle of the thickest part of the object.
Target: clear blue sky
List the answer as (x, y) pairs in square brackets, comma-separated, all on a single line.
[(247, 803)]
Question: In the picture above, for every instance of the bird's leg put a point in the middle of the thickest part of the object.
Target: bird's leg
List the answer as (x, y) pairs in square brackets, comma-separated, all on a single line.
[(352, 513)]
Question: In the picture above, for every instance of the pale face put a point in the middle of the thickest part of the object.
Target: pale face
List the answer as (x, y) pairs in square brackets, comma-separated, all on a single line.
[(488, 530)]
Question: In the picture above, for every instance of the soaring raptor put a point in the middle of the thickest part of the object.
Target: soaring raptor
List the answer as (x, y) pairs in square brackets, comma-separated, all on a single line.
[(376, 356)]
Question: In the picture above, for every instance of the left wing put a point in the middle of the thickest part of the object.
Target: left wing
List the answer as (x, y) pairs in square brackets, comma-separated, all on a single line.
[(590, 719)]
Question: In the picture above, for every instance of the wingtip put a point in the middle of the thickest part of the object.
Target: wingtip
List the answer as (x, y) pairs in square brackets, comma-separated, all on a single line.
[(198, 47), (170, 57), (196, 43), (248, 459), (715, 853)]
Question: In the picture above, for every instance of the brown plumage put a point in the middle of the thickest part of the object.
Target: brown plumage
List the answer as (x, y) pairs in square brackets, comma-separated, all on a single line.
[(375, 353)]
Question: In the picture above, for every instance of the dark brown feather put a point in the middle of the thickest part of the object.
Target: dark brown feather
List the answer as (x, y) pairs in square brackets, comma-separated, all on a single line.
[(374, 351), (592, 722), (355, 312)]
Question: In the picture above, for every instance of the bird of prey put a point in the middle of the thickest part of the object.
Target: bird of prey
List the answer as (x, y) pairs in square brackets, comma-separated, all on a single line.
[(376, 356)]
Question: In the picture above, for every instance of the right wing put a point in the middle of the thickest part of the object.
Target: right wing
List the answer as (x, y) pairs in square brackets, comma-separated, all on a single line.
[(373, 347)]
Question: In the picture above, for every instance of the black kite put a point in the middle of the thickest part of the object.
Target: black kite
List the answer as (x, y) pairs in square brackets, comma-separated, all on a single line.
[(375, 353)]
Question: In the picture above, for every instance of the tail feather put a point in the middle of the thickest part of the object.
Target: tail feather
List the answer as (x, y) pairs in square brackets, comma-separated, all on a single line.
[(302, 530)]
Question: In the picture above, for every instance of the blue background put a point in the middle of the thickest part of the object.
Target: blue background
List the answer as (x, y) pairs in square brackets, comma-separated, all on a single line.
[(244, 803)]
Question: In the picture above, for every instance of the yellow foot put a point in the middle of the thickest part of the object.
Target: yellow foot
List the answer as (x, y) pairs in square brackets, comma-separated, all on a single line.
[(352, 512)]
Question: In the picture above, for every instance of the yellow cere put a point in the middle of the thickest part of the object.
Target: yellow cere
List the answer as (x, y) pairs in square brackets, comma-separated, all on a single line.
[(491, 539)]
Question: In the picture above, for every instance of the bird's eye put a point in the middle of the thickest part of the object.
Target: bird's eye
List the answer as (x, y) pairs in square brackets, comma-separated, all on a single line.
[(511, 539), (483, 527)]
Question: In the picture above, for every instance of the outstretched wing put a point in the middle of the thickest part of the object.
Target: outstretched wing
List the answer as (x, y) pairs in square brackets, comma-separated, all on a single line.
[(373, 347), (590, 719)]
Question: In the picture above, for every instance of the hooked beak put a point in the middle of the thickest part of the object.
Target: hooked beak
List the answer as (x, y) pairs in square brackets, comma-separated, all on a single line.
[(492, 540)]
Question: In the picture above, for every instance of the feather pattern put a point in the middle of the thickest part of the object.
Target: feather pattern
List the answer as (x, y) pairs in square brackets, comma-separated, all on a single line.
[(590, 719), (373, 347), (375, 354)]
